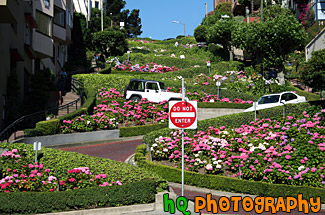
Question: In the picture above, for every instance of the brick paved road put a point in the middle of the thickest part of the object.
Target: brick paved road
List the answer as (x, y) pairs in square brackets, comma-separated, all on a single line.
[(118, 151)]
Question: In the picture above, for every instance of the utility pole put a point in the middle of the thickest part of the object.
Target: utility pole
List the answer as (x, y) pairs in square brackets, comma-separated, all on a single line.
[(206, 9), (102, 15), (262, 10)]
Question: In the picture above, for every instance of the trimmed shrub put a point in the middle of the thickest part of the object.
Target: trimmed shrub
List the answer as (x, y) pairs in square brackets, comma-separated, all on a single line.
[(140, 130), (32, 202), (48, 127), (222, 105), (223, 183)]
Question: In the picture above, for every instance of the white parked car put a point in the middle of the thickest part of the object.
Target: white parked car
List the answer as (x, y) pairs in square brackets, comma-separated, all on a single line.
[(152, 90), (277, 99)]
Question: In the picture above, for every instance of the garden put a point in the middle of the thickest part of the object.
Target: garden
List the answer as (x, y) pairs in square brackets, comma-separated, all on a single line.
[(270, 150)]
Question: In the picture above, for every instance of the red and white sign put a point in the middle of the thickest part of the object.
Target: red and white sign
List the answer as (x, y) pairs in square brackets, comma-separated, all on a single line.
[(183, 114)]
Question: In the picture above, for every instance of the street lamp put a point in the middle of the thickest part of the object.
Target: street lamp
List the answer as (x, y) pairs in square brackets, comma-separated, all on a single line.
[(218, 84), (180, 23)]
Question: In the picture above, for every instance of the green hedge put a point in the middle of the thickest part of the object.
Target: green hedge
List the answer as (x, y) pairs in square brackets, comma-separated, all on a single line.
[(45, 202), (222, 105), (140, 130), (234, 120), (228, 184)]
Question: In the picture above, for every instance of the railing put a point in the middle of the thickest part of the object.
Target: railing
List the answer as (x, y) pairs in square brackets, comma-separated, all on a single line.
[(29, 121)]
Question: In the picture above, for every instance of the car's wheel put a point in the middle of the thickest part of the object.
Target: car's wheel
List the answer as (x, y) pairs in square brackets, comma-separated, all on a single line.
[(135, 98)]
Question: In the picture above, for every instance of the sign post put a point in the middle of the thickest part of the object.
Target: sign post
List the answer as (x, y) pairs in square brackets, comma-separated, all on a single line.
[(183, 115), (37, 147)]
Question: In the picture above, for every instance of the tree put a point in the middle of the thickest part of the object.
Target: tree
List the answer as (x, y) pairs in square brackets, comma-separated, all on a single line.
[(95, 21), (200, 33), (313, 72), (114, 7), (110, 42), (133, 24), (221, 33), (270, 41)]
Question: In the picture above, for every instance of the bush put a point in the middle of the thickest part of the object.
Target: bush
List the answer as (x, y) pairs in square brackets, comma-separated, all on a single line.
[(225, 66), (140, 130), (31, 202), (223, 183), (234, 120), (222, 105), (48, 127)]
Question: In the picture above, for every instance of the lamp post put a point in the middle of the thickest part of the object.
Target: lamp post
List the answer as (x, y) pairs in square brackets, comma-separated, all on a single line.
[(101, 15), (209, 66), (218, 83), (206, 9), (111, 19), (180, 23)]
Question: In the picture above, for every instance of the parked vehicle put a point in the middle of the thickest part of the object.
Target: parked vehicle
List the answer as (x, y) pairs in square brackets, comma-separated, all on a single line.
[(277, 99), (152, 90)]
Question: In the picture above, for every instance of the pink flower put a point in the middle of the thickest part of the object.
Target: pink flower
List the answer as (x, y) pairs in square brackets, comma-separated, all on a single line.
[(313, 169), (287, 157), (72, 180), (47, 170)]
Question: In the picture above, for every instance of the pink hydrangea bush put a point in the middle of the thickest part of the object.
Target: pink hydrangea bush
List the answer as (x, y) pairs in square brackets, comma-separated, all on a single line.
[(36, 177), (286, 151)]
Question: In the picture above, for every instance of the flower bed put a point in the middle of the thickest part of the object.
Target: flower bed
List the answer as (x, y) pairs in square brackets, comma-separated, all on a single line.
[(110, 114), (60, 171), (149, 67), (285, 151)]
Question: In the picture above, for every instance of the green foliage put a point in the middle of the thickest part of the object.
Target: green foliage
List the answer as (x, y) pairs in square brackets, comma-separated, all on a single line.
[(48, 127), (313, 72), (270, 41), (106, 70), (111, 42), (223, 7), (95, 21), (221, 33), (216, 182), (200, 33), (222, 105), (46, 202), (81, 38), (59, 162), (234, 120), (140, 130)]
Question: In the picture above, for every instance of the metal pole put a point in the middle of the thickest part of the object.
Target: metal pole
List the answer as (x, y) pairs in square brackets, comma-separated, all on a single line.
[(102, 19), (218, 93), (184, 30), (255, 110), (262, 10), (183, 98)]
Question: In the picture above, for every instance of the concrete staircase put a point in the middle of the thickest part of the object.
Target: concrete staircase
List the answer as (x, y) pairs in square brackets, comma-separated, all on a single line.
[(67, 98)]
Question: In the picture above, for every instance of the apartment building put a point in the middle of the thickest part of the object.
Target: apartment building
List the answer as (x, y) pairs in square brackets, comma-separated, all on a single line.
[(16, 55), (34, 34)]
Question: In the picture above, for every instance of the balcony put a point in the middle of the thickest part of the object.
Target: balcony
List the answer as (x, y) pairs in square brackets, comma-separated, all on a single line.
[(59, 33), (8, 11), (42, 45)]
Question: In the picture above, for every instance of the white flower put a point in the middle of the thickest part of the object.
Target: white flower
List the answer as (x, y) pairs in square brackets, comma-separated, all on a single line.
[(220, 161), (301, 168), (88, 122), (218, 166), (154, 145), (182, 57), (151, 149), (215, 162), (165, 150)]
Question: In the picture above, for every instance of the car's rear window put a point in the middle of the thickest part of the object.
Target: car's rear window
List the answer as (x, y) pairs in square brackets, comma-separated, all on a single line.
[(136, 85), (269, 99)]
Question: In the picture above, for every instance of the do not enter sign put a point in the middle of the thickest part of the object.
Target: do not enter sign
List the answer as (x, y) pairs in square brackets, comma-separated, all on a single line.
[(183, 114)]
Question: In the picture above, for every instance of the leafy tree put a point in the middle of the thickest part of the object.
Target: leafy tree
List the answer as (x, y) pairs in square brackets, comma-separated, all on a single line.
[(313, 72), (200, 33), (114, 7), (110, 42), (95, 21), (221, 33), (270, 41)]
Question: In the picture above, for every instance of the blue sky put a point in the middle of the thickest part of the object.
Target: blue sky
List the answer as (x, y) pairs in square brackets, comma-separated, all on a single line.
[(157, 16)]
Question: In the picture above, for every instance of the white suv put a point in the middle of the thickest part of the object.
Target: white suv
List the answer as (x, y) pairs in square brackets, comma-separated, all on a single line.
[(152, 90)]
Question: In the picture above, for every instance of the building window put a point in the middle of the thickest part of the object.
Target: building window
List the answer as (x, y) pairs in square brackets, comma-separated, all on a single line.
[(59, 16), (97, 4), (46, 3), (28, 35), (44, 23)]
